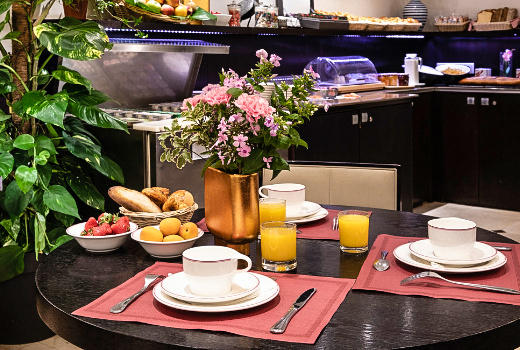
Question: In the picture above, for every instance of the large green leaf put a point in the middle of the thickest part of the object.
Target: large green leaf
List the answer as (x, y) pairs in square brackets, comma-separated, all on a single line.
[(15, 201), (86, 191), (109, 168), (6, 143), (94, 116), (6, 82), (25, 177), (44, 173), (12, 227), (66, 220), (85, 97), (71, 76), (76, 126), (11, 262), (6, 164), (73, 39), (43, 143), (24, 141), (60, 240), (57, 198), (47, 108), (37, 202), (39, 233)]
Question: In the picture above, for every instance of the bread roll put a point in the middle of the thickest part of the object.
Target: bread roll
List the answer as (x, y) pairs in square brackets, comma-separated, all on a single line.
[(155, 195), (132, 200), (178, 200)]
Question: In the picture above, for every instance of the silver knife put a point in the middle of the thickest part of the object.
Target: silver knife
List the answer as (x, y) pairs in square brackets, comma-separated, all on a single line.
[(280, 326)]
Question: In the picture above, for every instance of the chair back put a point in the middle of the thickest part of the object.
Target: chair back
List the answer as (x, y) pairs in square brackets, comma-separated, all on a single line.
[(350, 184)]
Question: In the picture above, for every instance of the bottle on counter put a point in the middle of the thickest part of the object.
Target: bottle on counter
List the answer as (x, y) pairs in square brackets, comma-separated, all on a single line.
[(266, 16), (234, 10)]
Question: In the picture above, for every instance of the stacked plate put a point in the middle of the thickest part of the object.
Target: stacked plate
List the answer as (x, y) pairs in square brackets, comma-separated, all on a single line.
[(306, 212), (420, 254), (248, 290)]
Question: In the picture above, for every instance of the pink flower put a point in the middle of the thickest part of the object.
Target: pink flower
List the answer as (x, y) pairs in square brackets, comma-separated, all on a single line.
[(236, 118), (269, 121), (275, 60), (210, 87), (254, 106), (273, 130), (222, 137), (244, 151), (313, 74), (326, 106), (192, 101), (222, 126), (240, 141), (261, 54), (267, 161), (217, 96), (507, 55)]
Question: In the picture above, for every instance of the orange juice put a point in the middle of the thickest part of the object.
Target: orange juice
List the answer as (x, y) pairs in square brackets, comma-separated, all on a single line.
[(353, 232), (271, 209), (278, 243)]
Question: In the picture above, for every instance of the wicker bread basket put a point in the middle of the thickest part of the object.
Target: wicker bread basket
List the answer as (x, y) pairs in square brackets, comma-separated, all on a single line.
[(357, 25), (395, 27), (143, 219), (485, 27), (452, 27)]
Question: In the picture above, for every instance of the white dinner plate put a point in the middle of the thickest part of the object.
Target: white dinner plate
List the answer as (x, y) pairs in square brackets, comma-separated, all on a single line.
[(176, 285), (481, 253), (401, 87), (322, 213), (403, 254), (306, 209), (267, 291)]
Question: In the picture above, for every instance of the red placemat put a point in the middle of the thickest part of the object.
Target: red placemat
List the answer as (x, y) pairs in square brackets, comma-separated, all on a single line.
[(320, 229), (388, 281), (305, 327)]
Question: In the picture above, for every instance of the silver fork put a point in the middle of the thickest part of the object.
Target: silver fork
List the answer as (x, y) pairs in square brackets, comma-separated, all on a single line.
[(472, 285), (335, 224), (121, 306)]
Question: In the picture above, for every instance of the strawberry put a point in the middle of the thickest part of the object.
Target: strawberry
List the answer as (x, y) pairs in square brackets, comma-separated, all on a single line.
[(121, 226), (87, 233), (98, 231), (107, 218), (91, 222), (106, 228)]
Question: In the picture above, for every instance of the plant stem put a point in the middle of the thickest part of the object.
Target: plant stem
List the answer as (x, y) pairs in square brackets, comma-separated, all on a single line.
[(16, 74), (26, 246), (44, 64), (44, 13)]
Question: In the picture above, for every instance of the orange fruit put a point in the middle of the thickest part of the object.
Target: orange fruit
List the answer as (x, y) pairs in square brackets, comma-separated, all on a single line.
[(173, 238), (170, 226), (188, 230), (150, 233)]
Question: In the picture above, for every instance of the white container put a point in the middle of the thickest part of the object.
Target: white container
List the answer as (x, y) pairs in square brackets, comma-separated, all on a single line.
[(412, 65), (452, 238), (294, 194), (165, 249), (99, 244), (210, 269)]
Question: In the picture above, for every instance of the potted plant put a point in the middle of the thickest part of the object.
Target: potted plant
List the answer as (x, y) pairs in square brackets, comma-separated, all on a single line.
[(242, 129), (45, 145)]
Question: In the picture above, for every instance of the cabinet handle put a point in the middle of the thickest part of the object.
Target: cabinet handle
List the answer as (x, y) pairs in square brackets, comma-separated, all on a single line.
[(370, 119), (494, 103), (355, 119), (364, 117)]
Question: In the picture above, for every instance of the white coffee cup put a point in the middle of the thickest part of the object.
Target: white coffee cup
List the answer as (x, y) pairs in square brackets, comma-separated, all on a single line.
[(210, 269), (294, 194), (452, 238)]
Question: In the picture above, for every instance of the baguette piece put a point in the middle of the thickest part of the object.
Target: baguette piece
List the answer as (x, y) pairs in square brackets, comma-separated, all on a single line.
[(503, 14), (133, 200), (511, 14), (496, 15)]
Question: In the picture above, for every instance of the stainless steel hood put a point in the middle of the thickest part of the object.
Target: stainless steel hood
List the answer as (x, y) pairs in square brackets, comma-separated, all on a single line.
[(139, 72)]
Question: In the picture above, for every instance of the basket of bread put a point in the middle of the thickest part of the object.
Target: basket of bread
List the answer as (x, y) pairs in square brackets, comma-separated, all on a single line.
[(495, 19), (153, 204)]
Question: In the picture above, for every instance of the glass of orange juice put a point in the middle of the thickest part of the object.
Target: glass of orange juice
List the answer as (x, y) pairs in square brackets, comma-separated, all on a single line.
[(278, 246), (353, 231), (271, 209)]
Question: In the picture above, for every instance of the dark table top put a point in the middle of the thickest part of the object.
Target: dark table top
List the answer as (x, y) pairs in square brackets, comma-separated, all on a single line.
[(70, 278)]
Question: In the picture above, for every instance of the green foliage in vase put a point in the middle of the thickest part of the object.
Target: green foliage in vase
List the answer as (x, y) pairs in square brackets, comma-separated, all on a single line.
[(45, 144), (241, 131)]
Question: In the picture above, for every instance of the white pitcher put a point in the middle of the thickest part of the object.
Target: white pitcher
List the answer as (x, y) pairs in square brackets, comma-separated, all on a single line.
[(412, 65)]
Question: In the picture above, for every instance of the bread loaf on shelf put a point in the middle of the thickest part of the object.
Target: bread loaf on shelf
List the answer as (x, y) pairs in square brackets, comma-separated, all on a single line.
[(132, 200), (504, 14), (490, 81)]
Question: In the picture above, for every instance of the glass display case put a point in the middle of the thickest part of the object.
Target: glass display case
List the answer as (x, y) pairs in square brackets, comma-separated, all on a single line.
[(344, 70)]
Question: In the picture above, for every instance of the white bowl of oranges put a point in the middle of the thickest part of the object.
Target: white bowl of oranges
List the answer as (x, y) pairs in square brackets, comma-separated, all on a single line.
[(168, 239)]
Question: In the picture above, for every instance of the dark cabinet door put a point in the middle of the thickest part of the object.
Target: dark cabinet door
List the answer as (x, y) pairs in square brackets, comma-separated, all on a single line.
[(499, 163), (422, 148), (331, 136), (459, 144), (386, 137)]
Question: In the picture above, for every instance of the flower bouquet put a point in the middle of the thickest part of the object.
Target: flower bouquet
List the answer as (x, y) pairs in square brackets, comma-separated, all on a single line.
[(240, 130)]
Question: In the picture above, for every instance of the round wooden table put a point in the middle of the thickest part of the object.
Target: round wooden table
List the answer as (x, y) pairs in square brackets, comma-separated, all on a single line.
[(70, 278)]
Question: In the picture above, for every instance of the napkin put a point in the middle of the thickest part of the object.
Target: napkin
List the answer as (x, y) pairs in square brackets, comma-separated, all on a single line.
[(305, 327), (388, 281), (320, 229)]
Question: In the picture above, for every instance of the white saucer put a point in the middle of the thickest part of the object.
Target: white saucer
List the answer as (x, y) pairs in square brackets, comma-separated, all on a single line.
[(322, 213), (481, 253), (306, 209), (176, 286), (267, 291), (403, 254)]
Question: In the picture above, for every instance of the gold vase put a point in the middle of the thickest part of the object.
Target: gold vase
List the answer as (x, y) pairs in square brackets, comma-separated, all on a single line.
[(231, 203)]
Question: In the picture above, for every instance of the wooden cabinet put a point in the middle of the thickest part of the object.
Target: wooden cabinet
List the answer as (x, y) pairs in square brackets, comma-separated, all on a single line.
[(479, 148), (377, 134)]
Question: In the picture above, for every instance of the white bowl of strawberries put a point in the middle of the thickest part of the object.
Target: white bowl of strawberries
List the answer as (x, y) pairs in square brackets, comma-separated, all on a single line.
[(105, 234)]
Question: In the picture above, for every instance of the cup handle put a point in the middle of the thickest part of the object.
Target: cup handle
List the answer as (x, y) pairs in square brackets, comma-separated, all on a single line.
[(247, 259), (261, 193)]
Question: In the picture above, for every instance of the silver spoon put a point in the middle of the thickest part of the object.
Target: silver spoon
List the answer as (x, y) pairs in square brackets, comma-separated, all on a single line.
[(382, 264), (121, 306)]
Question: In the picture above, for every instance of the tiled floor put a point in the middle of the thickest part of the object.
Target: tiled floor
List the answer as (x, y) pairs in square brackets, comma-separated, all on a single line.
[(504, 222)]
